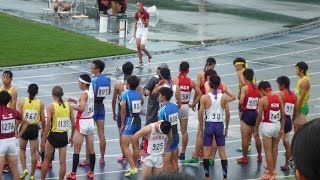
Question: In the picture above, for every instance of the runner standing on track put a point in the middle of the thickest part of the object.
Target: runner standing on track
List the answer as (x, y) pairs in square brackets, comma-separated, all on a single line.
[(141, 23), (303, 93), (84, 127), (32, 109)]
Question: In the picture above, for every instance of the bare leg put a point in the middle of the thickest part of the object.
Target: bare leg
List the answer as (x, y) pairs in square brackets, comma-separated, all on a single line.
[(34, 144), (138, 41), (23, 144), (47, 158), (102, 139), (143, 48), (62, 158), (146, 172), (125, 148), (184, 133)]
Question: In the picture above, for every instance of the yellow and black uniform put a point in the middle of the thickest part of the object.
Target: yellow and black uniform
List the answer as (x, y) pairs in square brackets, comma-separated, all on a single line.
[(58, 135), (304, 109), (31, 112), (9, 91)]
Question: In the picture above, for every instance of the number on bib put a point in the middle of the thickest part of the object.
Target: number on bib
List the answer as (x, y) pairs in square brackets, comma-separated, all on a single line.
[(173, 119), (136, 106), (185, 96), (215, 117), (7, 126), (103, 91), (252, 103), (274, 116), (289, 108), (31, 115), (157, 147), (63, 124)]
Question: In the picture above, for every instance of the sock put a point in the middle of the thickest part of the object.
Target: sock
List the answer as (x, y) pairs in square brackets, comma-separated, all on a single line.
[(75, 162), (206, 167), (92, 161), (42, 156), (224, 164)]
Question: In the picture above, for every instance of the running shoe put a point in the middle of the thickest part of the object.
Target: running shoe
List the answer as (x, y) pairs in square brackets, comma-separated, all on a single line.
[(24, 174), (200, 153), (6, 168), (122, 160), (140, 65), (50, 165), (84, 163), (259, 158), (39, 165), (285, 168), (90, 175), (243, 160), (32, 178), (102, 162), (72, 176), (149, 61), (182, 157), (131, 172), (192, 161)]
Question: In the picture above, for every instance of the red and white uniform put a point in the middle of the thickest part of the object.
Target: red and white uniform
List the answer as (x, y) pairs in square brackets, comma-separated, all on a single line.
[(84, 120), (8, 117), (272, 115), (251, 99), (289, 102), (142, 30), (185, 92)]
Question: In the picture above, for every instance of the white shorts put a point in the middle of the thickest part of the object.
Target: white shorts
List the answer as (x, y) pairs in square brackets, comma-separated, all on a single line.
[(8, 147), (155, 161), (184, 111), (271, 129), (142, 34), (86, 126)]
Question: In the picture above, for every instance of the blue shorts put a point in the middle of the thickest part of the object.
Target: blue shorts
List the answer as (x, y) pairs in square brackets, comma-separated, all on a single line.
[(174, 142), (99, 112), (216, 130), (288, 124), (249, 117), (133, 125)]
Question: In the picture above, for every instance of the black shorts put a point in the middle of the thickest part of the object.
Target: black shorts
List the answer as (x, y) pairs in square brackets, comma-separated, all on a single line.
[(31, 133), (57, 139)]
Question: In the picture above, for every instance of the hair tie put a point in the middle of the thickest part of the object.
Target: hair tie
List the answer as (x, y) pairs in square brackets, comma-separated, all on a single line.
[(83, 81)]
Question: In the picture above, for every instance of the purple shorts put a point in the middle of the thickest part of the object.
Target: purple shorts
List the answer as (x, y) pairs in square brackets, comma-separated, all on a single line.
[(249, 117), (288, 124), (213, 130)]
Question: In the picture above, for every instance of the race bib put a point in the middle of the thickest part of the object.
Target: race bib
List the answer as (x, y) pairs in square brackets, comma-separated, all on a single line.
[(103, 91), (173, 119), (289, 108), (7, 126), (215, 117), (185, 96), (136, 106), (31, 115), (63, 124), (252, 103), (156, 144), (274, 116)]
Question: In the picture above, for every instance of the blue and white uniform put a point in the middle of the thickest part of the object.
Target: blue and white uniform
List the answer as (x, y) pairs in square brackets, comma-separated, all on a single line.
[(133, 108), (101, 85)]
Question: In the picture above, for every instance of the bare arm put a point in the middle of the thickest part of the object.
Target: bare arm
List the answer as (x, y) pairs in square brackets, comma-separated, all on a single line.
[(178, 96), (73, 124), (229, 92), (14, 96), (123, 114), (260, 111), (42, 118), (201, 111), (243, 93), (135, 138), (50, 111), (225, 101), (114, 100), (283, 117), (135, 27), (140, 90), (82, 102), (197, 94), (168, 143)]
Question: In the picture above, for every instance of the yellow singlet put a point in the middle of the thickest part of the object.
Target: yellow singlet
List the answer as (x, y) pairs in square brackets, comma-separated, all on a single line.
[(61, 118), (298, 91), (31, 111)]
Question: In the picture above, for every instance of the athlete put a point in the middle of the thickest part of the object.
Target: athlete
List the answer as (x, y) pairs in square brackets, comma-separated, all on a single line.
[(290, 104), (271, 108), (186, 85), (216, 107), (169, 112), (55, 134), (201, 79), (84, 127), (303, 93), (32, 109), (8, 149), (248, 105), (157, 137), (130, 120), (141, 23)]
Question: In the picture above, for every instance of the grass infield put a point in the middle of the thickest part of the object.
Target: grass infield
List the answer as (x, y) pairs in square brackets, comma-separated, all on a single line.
[(25, 42)]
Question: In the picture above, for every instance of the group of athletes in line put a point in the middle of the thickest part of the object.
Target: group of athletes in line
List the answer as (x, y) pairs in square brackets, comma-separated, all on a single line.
[(168, 107)]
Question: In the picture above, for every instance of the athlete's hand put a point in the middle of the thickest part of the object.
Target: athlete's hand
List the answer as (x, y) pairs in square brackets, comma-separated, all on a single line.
[(17, 136), (281, 134), (114, 116), (72, 100), (225, 132), (71, 142), (139, 15), (255, 132), (147, 93), (142, 153), (121, 129)]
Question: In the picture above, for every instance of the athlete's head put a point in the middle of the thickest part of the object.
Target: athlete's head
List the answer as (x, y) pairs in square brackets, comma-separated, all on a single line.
[(210, 63), (214, 83), (248, 74), (140, 6), (162, 65), (5, 98), (264, 88), (239, 63), (127, 68), (283, 83), (132, 82), (165, 127), (7, 77), (97, 66), (84, 81), (57, 92), (32, 91), (208, 73), (165, 73), (184, 67), (165, 94), (301, 68), (305, 151)]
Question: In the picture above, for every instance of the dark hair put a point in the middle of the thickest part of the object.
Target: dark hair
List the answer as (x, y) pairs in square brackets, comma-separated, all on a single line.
[(58, 92), (8, 73), (210, 61), (248, 74), (284, 80), (165, 73), (86, 78), (172, 176), (305, 149), (302, 67), (214, 83), (264, 85), (5, 98), (133, 81), (99, 64), (184, 66), (210, 72), (165, 127), (127, 68), (166, 92), (239, 59), (33, 91)]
